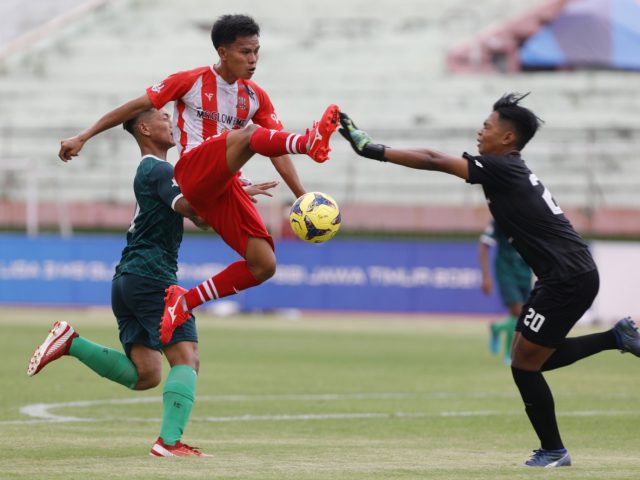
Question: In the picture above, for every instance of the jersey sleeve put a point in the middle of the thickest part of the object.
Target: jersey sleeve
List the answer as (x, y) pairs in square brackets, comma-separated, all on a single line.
[(488, 236), (489, 170), (266, 115), (171, 88), (161, 176)]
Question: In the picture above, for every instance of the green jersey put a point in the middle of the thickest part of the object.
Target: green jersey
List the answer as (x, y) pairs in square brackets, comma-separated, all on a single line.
[(507, 260), (155, 233)]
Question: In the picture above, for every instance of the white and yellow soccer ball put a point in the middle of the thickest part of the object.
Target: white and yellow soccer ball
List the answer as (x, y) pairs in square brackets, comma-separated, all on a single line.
[(315, 217)]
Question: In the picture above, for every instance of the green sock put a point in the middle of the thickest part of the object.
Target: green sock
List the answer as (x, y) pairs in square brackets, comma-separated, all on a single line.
[(510, 327), (505, 325), (106, 362), (177, 398)]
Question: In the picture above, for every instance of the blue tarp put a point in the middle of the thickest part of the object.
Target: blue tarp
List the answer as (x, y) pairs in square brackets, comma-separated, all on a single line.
[(588, 33)]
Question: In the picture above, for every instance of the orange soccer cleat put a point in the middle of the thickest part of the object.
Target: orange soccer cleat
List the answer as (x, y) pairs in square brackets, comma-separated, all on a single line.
[(319, 135), (54, 346), (160, 449), (175, 312)]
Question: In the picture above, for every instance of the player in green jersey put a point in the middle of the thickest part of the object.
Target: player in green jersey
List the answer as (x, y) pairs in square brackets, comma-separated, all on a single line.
[(513, 277), (147, 267)]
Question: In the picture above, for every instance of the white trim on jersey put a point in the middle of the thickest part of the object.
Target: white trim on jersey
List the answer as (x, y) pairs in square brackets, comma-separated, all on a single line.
[(174, 201), (227, 98), (192, 124)]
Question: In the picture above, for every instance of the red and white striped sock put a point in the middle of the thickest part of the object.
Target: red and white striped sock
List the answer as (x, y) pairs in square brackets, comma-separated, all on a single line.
[(231, 280), (272, 143)]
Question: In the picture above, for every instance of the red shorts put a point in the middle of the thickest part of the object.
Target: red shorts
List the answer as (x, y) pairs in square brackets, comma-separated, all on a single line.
[(216, 194)]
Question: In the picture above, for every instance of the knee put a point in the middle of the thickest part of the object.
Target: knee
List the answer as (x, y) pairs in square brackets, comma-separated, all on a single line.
[(148, 379), (269, 269), (264, 270), (524, 360), (244, 135), (195, 363), (260, 258), (250, 129)]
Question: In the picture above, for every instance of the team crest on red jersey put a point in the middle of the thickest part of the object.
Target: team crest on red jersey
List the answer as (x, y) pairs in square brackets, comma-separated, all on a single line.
[(242, 103)]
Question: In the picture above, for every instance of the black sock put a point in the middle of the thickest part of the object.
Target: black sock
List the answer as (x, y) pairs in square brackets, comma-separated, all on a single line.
[(573, 349), (539, 405)]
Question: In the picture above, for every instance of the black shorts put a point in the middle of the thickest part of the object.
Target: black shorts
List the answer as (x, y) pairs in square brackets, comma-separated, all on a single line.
[(138, 304), (553, 308)]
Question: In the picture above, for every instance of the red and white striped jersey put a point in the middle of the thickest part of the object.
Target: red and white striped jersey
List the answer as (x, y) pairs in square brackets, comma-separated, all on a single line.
[(206, 105)]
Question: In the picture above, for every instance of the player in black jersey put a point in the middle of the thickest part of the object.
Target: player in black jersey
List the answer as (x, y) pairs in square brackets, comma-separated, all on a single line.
[(536, 226)]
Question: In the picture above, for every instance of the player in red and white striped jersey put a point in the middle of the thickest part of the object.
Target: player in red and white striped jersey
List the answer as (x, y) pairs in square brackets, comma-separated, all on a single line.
[(206, 105), (213, 108)]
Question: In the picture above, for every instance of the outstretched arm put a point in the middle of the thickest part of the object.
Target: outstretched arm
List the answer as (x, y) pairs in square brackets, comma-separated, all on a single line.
[(184, 208), (418, 158), (70, 147), (161, 178), (287, 171), (487, 284)]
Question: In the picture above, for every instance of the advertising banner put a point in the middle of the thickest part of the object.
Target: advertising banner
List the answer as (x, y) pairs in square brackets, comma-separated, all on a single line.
[(352, 275)]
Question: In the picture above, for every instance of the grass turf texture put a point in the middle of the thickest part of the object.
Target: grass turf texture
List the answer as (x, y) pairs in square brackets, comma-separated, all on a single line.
[(316, 398)]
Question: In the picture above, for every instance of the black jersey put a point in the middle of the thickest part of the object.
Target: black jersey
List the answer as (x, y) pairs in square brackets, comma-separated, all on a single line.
[(534, 223)]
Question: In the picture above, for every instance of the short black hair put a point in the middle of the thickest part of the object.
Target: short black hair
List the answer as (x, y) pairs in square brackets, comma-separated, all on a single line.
[(130, 125), (229, 27), (524, 121)]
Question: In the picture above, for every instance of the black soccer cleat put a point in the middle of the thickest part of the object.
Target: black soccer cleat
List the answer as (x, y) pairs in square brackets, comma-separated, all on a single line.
[(626, 333)]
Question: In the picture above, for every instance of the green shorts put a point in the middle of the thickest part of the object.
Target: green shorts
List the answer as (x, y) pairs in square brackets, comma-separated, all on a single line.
[(514, 290), (138, 304), (514, 282)]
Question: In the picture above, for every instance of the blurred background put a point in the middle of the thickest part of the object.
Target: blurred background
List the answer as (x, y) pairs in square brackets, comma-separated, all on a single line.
[(411, 72)]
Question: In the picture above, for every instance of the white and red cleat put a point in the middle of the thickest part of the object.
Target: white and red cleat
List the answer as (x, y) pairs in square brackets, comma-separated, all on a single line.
[(54, 346), (175, 313), (320, 133), (160, 449)]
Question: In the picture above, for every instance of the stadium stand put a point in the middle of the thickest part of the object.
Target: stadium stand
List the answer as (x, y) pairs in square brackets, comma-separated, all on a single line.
[(383, 64)]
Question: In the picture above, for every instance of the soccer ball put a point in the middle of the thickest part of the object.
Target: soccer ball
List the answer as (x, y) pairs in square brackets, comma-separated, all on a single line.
[(315, 217)]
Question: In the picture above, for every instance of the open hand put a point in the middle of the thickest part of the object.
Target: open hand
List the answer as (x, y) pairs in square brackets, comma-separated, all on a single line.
[(260, 189), (360, 140)]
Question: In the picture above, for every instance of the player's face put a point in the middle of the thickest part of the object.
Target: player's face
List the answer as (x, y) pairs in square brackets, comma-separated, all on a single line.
[(492, 136), (160, 128), (241, 57)]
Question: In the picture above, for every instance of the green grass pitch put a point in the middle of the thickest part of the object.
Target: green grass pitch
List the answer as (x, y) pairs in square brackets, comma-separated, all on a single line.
[(321, 397)]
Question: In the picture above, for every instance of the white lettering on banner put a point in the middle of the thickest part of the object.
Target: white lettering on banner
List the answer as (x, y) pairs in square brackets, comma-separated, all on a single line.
[(49, 270), (465, 278), (292, 275), (338, 276), (198, 272), (425, 277), (19, 270), (79, 270)]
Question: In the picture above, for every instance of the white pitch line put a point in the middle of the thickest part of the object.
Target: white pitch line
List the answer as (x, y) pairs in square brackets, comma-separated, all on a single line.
[(42, 412), (323, 416), (343, 416)]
